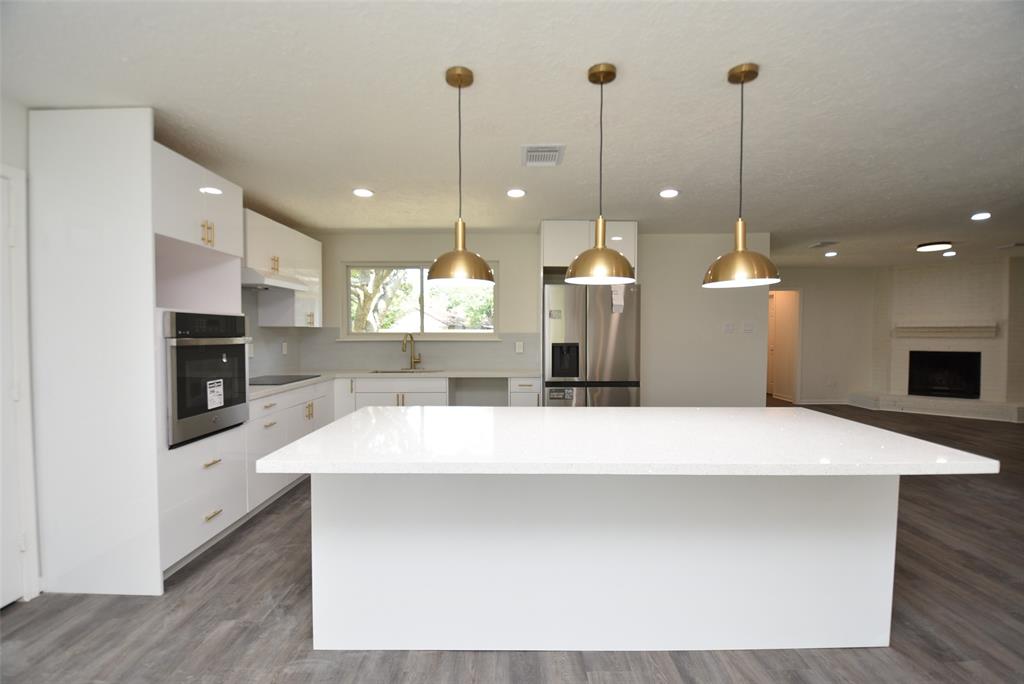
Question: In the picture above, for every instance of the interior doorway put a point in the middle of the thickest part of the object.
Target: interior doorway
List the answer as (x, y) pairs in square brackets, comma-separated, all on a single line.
[(784, 345), (19, 560)]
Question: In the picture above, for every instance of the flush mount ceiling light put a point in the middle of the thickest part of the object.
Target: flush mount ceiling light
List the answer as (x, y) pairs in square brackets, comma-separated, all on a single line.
[(981, 216), (460, 264), (211, 191), (668, 193), (516, 193), (741, 267), (949, 253), (934, 246), (831, 254), (600, 265), (362, 192)]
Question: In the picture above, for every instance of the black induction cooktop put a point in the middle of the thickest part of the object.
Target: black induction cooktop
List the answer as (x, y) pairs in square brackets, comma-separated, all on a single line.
[(279, 379)]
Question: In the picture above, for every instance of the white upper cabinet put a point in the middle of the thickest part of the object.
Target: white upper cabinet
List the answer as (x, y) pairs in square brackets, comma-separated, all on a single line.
[(561, 241), (187, 206), (273, 248)]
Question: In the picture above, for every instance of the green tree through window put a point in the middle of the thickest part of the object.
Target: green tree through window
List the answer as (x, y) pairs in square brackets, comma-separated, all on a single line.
[(399, 299)]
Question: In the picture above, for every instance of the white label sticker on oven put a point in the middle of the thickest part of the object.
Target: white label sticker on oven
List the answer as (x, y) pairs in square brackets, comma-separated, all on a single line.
[(214, 394)]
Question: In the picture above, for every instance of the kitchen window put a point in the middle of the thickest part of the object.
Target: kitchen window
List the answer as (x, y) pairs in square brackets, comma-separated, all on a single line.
[(387, 299)]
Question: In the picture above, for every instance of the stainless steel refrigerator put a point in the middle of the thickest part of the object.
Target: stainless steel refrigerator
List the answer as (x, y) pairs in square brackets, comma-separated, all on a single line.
[(591, 345)]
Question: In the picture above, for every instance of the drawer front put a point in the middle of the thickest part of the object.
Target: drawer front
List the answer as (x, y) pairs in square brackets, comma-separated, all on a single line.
[(524, 399), (524, 384), (192, 522), (424, 399), (204, 466), (277, 402), (263, 436), (404, 384)]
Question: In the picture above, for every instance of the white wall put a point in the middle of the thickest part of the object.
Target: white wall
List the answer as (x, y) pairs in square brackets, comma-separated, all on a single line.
[(14, 134), (518, 301), (836, 330), (1015, 332), (688, 358), (952, 292)]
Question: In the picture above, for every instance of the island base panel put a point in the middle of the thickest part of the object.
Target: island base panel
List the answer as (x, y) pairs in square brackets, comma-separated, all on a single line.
[(594, 562)]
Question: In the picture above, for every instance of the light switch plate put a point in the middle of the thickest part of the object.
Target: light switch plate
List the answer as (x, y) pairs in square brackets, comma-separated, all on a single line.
[(284, 347), (519, 347), (729, 328)]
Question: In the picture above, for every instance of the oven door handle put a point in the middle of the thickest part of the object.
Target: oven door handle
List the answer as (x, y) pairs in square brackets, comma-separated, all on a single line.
[(206, 341)]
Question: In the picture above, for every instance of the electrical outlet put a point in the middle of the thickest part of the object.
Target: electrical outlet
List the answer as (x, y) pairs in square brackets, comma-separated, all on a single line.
[(519, 347), (284, 348), (748, 327)]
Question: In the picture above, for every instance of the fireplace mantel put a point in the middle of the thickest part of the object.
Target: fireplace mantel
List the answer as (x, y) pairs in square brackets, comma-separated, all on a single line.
[(961, 331)]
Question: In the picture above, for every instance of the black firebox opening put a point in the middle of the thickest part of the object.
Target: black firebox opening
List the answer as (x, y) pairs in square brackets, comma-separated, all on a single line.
[(945, 374)]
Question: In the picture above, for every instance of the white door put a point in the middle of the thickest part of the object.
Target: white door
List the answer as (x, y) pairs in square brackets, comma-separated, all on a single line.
[(19, 565), (771, 343)]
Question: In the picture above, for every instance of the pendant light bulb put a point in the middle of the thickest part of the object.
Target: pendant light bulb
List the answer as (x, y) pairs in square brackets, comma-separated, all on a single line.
[(741, 267), (600, 265), (460, 265)]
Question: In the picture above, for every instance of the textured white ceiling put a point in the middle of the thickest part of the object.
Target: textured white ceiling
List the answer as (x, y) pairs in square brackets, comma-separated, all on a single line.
[(876, 124)]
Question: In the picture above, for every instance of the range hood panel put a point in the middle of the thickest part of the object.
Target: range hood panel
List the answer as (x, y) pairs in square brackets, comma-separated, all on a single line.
[(264, 280)]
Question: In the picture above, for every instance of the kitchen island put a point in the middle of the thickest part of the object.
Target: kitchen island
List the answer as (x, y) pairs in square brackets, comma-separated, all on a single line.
[(605, 528)]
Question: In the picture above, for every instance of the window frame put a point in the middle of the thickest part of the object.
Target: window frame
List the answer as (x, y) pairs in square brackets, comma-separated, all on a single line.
[(348, 335)]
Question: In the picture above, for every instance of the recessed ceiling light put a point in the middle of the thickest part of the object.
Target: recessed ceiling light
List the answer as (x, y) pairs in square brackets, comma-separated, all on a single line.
[(934, 247), (516, 193), (981, 216), (831, 254), (362, 192), (211, 191), (949, 253), (616, 237), (669, 193)]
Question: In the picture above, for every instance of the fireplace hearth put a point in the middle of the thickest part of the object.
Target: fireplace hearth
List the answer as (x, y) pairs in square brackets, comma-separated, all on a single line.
[(945, 374)]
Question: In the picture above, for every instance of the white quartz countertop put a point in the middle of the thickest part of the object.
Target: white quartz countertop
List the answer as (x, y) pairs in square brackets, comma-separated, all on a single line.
[(612, 441), (261, 391)]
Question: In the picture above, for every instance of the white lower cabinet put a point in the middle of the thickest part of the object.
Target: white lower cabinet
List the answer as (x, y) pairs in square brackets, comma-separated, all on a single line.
[(401, 392), (202, 491), (524, 399), (344, 397), (276, 421), (524, 391)]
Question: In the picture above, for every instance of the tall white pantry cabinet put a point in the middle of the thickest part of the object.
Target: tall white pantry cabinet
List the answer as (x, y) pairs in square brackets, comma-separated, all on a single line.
[(108, 226)]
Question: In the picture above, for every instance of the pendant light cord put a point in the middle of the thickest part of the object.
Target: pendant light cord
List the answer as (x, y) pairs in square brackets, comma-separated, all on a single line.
[(600, 158), (740, 215), (460, 151)]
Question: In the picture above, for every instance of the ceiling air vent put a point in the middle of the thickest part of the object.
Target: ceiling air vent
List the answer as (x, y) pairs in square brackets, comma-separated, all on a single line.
[(823, 243), (543, 155), (1012, 245)]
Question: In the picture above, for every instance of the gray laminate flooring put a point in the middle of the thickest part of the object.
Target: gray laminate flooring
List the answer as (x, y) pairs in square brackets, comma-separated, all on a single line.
[(241, 613)]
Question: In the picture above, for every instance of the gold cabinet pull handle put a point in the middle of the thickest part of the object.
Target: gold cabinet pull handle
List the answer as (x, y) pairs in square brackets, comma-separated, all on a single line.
[(213, 233), (206, 232), (351, 386), (212, 463), (275, 264), (538, 400), (270, 424), (270, 405), (525, 385), (210, 516), (398, 399)]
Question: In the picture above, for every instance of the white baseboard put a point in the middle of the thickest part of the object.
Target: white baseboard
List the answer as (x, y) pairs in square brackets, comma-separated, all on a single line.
[(974, 409)]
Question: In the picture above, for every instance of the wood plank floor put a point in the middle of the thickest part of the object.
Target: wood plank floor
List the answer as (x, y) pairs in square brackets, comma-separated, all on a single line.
[(241, 613)]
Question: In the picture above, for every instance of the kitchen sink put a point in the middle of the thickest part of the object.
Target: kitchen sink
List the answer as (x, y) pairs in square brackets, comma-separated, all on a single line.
[(408, 370)]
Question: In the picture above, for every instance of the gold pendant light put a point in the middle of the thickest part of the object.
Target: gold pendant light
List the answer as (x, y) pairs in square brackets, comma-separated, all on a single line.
[(600, 265), (460, 264), (741, 267)]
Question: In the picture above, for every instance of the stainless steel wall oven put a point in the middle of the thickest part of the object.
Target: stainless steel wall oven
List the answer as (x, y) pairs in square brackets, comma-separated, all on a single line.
[(207, 374)]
